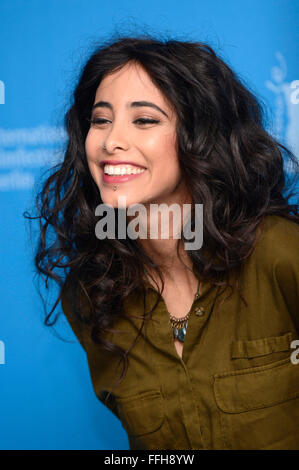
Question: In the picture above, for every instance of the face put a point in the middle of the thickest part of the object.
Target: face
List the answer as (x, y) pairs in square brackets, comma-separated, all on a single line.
[(139, 133)]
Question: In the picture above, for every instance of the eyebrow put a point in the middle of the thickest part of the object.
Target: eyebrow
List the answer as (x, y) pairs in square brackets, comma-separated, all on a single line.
[(134, 104)]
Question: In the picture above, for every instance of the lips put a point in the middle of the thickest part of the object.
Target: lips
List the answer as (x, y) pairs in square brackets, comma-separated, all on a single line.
[(120, 178), (119, 162)]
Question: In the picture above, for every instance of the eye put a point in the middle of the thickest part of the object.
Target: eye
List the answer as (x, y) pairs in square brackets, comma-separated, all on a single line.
[(143, 121), (140, 121), (97, 121)]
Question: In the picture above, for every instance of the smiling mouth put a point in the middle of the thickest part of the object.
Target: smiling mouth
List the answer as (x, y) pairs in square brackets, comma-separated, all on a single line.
[(121, 176), (122, 169)]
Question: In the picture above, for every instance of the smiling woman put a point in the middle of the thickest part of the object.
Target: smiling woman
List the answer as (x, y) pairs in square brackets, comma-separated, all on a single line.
[(171, 123)]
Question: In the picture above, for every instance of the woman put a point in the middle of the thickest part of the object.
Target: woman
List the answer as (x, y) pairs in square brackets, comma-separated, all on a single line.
[(189, 348)]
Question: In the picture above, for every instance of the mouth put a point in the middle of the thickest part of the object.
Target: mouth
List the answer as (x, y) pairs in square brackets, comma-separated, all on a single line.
[(117, 173), (120, 164)]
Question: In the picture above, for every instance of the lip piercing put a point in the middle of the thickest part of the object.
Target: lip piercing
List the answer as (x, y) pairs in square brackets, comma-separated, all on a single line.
[(114, 188)]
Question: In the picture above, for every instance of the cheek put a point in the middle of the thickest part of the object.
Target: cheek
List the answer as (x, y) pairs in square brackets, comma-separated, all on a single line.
[(93, 171), (166, 158), (90, 152), (161, 149), (89, 144)]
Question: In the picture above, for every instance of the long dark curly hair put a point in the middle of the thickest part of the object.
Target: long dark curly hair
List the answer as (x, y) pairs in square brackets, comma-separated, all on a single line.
[(233, 166)]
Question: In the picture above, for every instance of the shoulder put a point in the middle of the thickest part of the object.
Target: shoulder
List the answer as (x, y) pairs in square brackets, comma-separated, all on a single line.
[(277, 242), (274, 262)]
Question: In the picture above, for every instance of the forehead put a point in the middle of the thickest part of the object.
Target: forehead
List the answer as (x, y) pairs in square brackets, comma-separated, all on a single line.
[(130, 83)]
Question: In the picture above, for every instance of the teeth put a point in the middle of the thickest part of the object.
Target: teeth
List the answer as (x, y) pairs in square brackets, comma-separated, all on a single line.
[(122, 170)]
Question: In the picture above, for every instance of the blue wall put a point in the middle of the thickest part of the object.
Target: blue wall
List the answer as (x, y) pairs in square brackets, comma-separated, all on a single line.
[(46, 396)]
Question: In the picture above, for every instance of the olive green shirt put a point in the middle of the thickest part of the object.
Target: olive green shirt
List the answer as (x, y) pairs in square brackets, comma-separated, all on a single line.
[(235, 386)]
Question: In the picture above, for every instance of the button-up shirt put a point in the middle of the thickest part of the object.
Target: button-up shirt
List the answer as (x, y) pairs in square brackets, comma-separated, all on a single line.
[(237, 383)]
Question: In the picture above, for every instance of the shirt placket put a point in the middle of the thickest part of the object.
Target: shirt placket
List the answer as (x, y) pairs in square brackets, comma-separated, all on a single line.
[(178, 374)]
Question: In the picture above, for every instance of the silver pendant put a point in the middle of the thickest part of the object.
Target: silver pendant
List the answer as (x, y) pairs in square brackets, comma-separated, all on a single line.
[(180, 333)]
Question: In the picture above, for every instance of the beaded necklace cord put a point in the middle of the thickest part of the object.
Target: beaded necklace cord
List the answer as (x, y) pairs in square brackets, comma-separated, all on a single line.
[(179, 325)]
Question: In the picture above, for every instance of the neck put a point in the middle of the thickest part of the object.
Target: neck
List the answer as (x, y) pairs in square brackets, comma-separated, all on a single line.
[(167, 229)]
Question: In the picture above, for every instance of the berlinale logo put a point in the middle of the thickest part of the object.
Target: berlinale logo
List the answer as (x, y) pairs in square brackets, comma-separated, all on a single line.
[(2, 353), (2, 92), (295, 93)]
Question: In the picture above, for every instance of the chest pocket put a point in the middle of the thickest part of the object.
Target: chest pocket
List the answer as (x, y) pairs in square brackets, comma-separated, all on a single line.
[(143, 417), (261, 347), (259, 406)]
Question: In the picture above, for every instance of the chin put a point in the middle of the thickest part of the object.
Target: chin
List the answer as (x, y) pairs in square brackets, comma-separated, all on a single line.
[(113, 201)]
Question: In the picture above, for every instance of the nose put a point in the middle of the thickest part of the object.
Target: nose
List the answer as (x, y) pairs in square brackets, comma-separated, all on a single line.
[(116, 139)]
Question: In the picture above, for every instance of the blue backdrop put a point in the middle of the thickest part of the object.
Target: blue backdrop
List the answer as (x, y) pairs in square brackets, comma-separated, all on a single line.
[(46, 396)]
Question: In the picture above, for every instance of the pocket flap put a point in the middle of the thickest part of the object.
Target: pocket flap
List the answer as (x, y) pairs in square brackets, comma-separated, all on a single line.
[(256, 387), (142, 413), (261, 347)]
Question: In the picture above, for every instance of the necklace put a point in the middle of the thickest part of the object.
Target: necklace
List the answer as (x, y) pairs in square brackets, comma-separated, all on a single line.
[(179, 325)]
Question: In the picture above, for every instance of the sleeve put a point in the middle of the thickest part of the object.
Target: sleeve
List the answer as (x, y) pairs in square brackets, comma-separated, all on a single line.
[(80, 331), (108, 400)]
